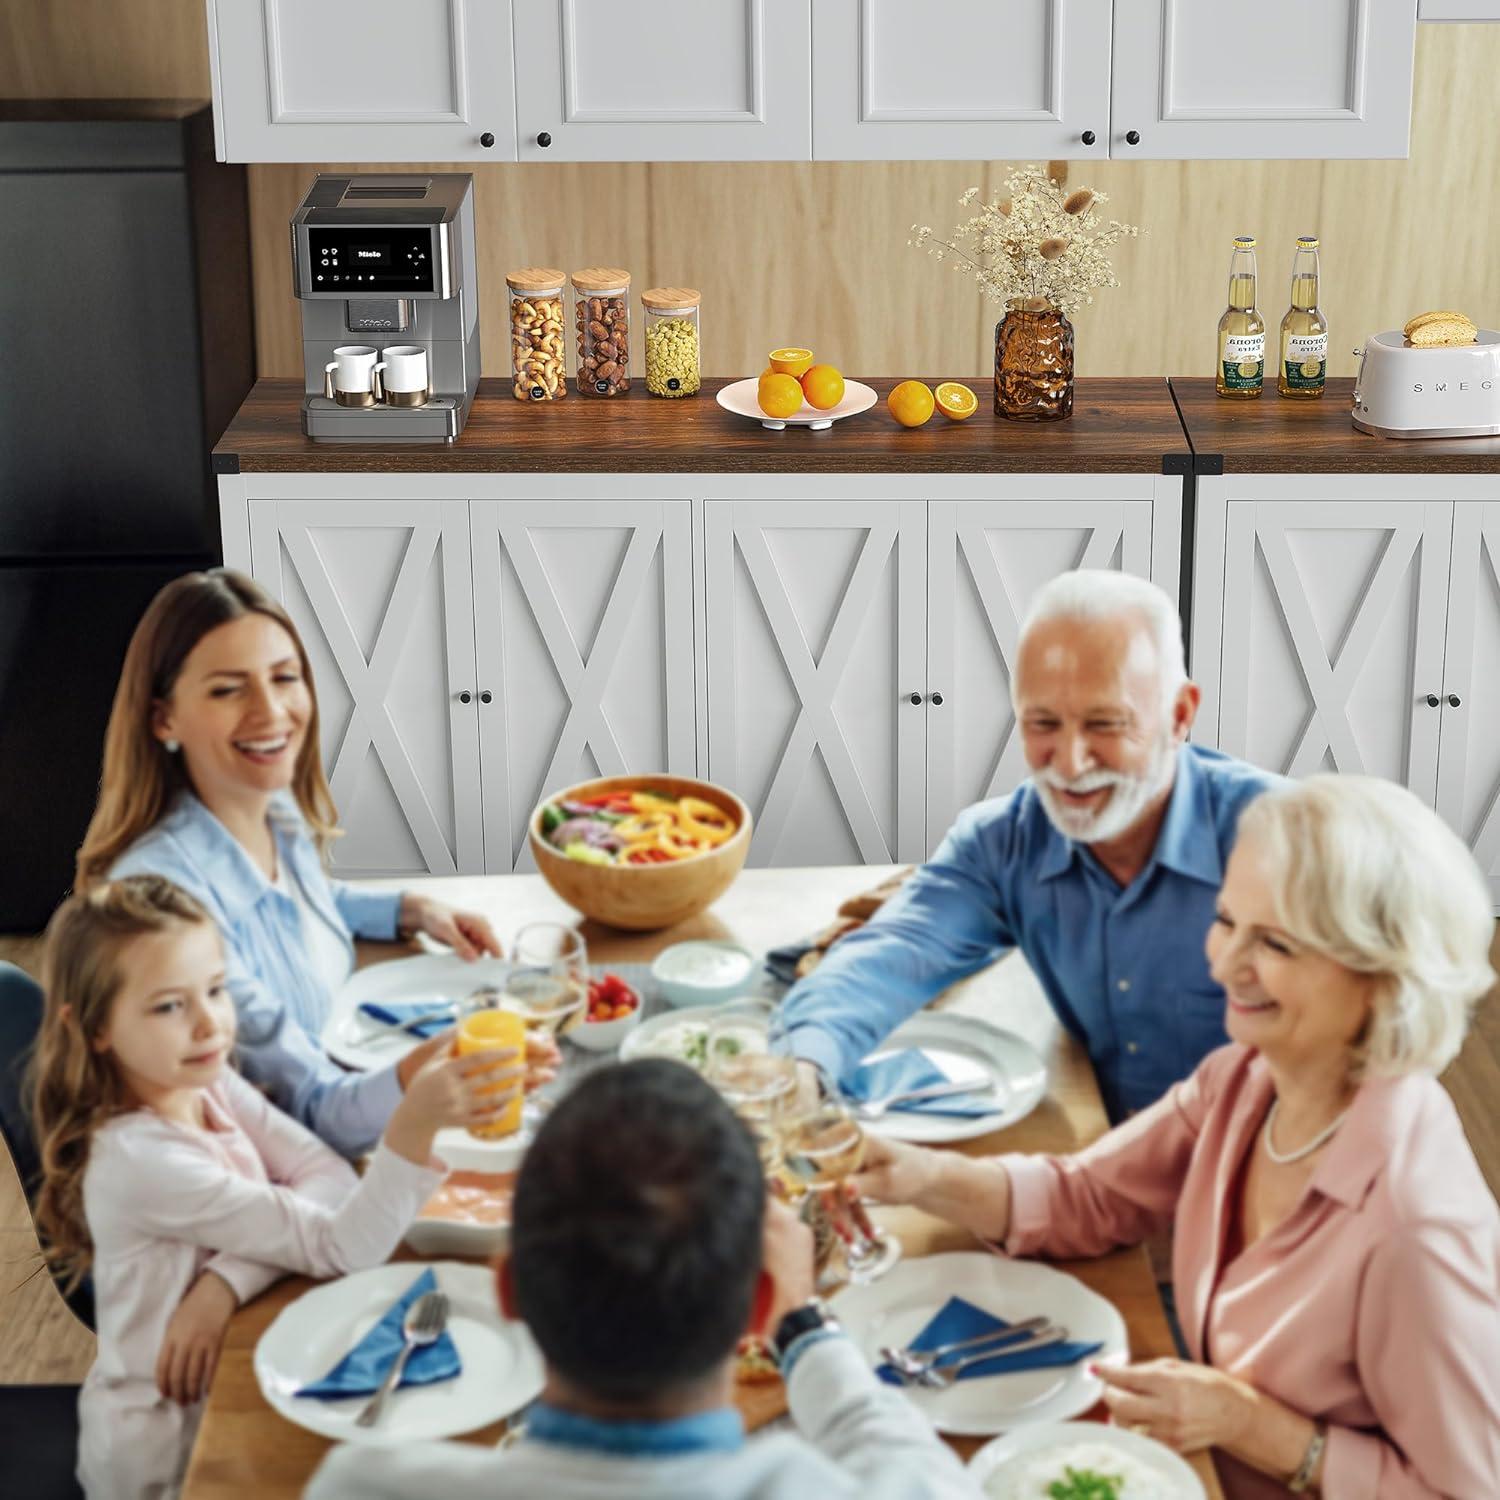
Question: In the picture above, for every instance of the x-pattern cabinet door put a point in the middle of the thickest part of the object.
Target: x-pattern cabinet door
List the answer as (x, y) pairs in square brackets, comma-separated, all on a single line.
[(985, 561), (1469, 753), (583, 625), (379, 591), (1335, 612), (815, 627)]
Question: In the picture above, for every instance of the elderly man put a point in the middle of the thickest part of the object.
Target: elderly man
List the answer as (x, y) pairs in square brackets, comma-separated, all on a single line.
[(1102, 868)]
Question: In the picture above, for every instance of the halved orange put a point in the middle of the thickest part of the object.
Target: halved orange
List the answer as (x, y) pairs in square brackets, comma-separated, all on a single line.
[(956, 401), (779, 395), (792, 362)]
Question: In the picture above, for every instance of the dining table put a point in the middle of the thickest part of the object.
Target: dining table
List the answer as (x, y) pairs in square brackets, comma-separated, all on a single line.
[(244, 1447)]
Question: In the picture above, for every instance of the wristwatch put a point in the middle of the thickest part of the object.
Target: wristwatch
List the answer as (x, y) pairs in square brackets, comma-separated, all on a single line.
[(811, 1315)]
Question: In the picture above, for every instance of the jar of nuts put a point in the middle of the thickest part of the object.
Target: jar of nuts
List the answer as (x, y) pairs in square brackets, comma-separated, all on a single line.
[(536, 334), (601, 310), (673, 360)]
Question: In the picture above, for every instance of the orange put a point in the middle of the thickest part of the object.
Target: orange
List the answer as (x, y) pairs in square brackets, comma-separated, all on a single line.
[(790, 361), (910, 403), (779, 395), (956, 401), (823, 386)]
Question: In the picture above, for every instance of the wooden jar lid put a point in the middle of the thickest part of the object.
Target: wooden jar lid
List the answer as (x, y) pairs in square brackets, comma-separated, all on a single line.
[(601, 279), (536, 279), (661, 298)]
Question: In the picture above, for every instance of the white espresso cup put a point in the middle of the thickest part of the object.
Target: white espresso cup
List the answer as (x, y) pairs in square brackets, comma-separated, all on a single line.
[(352, 377), (403, 369)]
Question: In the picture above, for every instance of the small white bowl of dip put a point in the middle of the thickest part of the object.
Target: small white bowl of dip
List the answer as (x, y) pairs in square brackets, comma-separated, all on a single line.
[(703, 972)]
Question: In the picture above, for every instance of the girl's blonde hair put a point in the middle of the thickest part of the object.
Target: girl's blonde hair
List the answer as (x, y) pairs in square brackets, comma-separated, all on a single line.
[(140, 777), (1366, 874), (76, 1089)]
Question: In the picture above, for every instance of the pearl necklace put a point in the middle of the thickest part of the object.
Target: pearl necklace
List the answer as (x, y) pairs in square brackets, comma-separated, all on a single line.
[(1307, 1150)]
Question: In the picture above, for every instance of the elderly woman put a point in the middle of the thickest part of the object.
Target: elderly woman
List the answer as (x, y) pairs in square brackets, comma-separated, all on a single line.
[(1336, 1249)]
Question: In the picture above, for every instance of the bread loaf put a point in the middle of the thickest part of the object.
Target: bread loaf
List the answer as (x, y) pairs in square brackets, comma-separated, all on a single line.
[(1438, 330)]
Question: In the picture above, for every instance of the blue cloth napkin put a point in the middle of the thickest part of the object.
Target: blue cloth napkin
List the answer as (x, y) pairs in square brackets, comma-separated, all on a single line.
[(962, 1320), (398, 1012), (913, 1069), (361, 1370)]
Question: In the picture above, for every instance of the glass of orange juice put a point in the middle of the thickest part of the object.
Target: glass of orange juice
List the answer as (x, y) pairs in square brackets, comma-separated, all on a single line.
[(485, 1028)]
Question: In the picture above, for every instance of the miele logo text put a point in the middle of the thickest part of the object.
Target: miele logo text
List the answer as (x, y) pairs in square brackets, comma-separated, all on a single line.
[(1440, 386), (368, 254)]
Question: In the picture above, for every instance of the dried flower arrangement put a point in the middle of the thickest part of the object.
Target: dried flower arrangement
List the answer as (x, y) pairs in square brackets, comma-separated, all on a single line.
[(1035, 245)]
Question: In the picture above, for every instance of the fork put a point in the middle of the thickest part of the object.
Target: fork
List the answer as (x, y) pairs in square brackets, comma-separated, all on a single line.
[(910, 1363), (873, 1109), (940, 1377), (424, 1323)]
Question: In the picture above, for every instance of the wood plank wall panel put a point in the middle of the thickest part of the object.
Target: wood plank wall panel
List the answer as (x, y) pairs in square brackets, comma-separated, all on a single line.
[(818, 253)]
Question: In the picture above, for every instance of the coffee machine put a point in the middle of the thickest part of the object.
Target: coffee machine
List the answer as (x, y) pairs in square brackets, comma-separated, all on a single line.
[(385, 262)]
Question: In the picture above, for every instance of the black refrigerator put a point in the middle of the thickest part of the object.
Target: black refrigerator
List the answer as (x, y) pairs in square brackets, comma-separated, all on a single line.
[(126, 345)]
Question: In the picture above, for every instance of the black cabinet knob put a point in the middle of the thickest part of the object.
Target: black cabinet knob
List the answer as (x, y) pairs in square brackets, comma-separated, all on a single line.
[(486, 696), (1433, 700), (487, 139), (466, 697), (1088, 137), (915, 700), (936, 700), (544, 139), (1132, 137), (1454, 701)]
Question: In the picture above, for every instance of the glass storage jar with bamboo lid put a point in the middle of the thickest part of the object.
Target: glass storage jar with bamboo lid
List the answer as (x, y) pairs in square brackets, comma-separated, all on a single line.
[(673, 355), (537, 371), (601, 311)]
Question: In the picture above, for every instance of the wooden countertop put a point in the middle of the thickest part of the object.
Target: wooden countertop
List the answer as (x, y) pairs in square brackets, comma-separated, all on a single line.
[(1117, 426), (1275, 435)]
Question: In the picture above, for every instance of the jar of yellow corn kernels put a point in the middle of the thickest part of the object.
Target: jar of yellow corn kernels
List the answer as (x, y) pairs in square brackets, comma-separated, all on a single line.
[(673, 354), (536, 334)]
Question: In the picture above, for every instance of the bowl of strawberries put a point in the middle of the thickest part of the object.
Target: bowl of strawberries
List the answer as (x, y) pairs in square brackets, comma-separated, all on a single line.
[(613, 1012)]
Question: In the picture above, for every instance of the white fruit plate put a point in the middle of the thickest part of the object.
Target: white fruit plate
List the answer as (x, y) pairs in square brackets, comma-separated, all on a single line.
[(741, 399)]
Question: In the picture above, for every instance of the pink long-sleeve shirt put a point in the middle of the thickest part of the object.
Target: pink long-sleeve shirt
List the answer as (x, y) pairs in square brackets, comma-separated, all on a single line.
[(1374, 1306), (251, 1197)]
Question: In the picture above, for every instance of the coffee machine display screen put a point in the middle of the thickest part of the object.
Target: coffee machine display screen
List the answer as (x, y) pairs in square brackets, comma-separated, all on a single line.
[(370, 261)]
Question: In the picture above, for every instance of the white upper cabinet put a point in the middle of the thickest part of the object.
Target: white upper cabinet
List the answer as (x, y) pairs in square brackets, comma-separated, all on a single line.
[(1280, 78), (667, 80), (384, 80), (975, 79)]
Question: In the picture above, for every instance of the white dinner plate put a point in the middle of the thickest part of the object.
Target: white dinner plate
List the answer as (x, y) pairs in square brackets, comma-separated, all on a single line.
[(896, 1308), (965, 1047), (647, 1038), (442, 978), (502, 1367), (742, 398), (1001, 1461)]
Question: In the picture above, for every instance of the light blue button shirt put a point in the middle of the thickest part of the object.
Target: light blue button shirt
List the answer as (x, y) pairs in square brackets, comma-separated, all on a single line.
[(720, 1431), (1124, 968), (280, 1002)]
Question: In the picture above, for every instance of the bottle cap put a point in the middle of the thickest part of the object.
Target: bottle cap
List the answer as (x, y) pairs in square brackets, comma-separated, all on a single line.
[(1244, 242), (1307, 242)]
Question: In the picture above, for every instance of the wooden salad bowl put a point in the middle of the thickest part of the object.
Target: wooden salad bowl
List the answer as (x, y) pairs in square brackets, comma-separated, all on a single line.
[(643, 898)]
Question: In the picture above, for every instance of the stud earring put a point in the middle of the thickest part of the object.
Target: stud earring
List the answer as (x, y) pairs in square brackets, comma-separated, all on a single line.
[(171, 746)]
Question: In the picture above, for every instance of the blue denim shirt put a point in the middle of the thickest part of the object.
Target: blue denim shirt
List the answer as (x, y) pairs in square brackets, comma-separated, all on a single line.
[(1124, 968), (280, 1003), (721, 1431)]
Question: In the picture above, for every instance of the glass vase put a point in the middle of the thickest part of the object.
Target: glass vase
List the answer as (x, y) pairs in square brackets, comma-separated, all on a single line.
[(1034, 364)]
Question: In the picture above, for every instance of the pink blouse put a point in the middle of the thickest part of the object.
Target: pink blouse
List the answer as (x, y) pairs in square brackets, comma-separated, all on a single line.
[(1374, 1306)]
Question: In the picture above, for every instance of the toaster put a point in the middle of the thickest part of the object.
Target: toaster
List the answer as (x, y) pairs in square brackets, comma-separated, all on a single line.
[(1401, 392)]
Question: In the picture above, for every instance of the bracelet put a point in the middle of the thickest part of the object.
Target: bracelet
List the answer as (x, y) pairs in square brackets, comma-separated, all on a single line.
[(1299, 1482)]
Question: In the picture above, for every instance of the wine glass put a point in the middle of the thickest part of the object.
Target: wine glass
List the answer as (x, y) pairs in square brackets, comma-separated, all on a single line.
[(757, 1086), (548, 982)]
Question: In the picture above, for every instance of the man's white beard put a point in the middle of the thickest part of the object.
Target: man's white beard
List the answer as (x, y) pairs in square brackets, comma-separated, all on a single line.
[(1124, 806)]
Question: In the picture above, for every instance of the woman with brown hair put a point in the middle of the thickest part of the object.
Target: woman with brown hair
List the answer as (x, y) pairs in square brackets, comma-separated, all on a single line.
[(212, 777)]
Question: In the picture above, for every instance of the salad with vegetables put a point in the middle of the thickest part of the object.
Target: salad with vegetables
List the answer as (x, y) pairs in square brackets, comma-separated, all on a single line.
[(635, 828)]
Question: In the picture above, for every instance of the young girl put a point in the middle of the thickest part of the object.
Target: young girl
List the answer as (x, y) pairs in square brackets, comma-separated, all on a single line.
[(178, 1183)]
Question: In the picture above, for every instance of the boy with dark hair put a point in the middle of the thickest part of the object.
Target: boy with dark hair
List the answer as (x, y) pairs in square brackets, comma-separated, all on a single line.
[(643, 1247)]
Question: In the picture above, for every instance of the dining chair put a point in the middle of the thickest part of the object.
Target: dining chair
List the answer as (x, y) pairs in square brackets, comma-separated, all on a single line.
[(20, 1020)]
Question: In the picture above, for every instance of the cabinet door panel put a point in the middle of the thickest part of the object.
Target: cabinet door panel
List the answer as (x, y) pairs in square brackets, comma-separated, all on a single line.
[(1469, 753), (985, 561), (815, 615), (677, 81), (379, 591), (584, 635), (1027, 80), (1282, 78), (388, 80), (1334, 618)]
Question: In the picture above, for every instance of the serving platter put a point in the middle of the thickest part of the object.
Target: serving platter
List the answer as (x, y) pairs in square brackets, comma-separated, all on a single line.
[(742, 398)]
